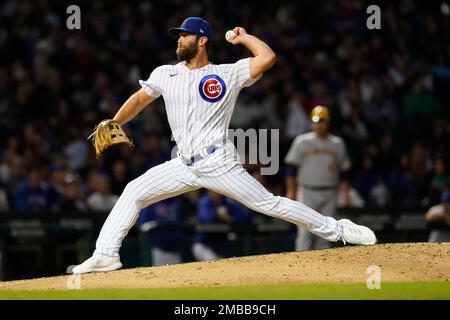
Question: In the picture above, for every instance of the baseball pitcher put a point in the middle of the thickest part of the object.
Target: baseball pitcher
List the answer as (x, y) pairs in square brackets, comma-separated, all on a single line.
[(199, 98), (316, 160)]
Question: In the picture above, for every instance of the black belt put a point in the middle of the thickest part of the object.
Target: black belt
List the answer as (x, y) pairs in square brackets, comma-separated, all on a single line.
[(190, 161), (319, 188)]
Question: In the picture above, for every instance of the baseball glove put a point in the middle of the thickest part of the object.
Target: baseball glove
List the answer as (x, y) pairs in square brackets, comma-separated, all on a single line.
[(106, 134)]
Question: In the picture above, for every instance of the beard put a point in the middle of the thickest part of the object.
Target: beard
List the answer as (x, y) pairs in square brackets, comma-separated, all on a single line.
[(187, 53)]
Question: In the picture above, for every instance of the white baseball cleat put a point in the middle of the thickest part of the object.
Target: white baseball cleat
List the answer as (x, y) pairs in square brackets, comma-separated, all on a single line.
[(98, 263), (356, 234)]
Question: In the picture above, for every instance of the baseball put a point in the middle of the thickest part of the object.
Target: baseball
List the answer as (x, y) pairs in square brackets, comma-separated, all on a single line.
[(230, 35)]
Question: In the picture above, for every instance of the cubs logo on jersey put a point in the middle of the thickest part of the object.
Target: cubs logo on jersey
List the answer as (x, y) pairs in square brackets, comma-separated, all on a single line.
[(212, 88)]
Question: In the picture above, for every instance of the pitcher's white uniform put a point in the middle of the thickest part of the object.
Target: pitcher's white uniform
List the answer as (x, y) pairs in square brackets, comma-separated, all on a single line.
[(199, 105), (319, 163)]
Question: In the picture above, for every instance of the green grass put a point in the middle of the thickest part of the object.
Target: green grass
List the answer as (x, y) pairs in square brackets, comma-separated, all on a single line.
[(415, 290)]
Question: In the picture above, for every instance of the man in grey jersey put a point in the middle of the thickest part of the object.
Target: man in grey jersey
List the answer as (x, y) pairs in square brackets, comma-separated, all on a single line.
[(316, 160)]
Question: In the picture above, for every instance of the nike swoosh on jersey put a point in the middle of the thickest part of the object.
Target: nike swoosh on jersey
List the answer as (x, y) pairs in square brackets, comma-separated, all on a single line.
[(173, 75)]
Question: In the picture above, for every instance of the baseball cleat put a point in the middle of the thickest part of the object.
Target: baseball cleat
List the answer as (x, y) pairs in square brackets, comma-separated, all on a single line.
[(356, 234), (98, 263)]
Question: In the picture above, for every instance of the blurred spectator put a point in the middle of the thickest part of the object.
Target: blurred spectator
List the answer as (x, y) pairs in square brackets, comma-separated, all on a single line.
[(119, 177), (379, 194), (167, 241), (273, 113), (349, 197), (415, 184), (57, 178), (348, 98), (439, 180), (34, 194), (101, 200), (215, 208), (408, 191), (189, 202), (76, 150), (137, 164), (418, 102), (440, 136), (366, 178), (154, 151), (12, 173), (247, 113), (439, 218), (4, 206), (73, 200), (298, 121), (382, 110), (386, 157), (355, 131), (319, 96)]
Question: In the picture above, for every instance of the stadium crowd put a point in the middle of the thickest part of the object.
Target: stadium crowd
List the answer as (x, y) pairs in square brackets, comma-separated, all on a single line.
[(387, 91)]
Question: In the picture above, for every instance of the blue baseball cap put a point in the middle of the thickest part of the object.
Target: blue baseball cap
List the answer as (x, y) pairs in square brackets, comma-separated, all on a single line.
[(195, 25)]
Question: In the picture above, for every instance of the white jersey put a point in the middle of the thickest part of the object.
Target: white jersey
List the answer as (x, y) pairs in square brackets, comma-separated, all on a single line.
[(199, 103), (319, 160)]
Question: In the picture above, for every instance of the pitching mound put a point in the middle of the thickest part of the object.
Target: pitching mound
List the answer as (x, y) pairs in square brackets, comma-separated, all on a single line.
[(398, 263)]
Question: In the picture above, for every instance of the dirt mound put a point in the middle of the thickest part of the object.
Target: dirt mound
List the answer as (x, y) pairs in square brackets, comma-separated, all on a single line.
[(397, 262)]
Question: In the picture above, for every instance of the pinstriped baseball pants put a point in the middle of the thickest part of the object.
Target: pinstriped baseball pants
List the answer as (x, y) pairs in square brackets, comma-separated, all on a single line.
[(221, 172)]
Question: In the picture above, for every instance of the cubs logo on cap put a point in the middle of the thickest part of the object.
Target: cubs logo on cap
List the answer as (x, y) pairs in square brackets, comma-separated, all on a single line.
[(212, 88)]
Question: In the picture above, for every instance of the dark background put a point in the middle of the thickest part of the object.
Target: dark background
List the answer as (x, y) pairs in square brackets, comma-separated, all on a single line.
[(388, 92)]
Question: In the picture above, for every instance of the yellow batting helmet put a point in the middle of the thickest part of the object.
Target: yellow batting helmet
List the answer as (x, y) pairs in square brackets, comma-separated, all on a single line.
[(320, 113)]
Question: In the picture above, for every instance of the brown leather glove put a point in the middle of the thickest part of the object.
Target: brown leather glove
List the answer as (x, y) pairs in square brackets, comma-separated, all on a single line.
[(107, 133)]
